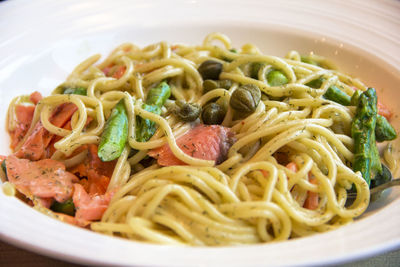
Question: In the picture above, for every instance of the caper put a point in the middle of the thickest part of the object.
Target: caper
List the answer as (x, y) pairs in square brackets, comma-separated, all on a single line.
[(210, 69), (246, 98), (187, 111), (255, 68), (276, 78), (213, 114), (209, 85)]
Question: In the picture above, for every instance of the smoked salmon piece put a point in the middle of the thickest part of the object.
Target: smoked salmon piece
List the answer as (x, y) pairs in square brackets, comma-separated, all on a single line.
[(312, 199), (35, 145), (209, 142), (44, 178), (24, 116), (90, 207), (35, 97)]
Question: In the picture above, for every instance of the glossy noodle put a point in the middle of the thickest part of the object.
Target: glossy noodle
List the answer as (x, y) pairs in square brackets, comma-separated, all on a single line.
[(252, 195)]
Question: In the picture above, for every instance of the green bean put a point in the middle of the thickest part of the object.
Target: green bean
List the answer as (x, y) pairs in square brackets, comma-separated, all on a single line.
[(115, 134)]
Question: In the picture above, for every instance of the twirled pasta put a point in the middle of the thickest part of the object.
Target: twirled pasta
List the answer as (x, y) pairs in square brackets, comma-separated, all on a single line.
[(250, 197)]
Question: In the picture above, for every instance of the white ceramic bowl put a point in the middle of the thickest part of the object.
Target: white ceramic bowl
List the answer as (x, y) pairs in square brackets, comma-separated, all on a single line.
[(41, 41)]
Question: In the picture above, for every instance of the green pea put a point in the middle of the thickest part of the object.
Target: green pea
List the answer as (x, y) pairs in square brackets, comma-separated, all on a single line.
[(276, 78)]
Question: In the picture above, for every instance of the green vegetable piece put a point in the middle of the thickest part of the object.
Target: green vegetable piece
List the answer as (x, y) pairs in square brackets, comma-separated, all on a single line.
[(145, 128), (246, 98), (156, 98), (366, 156), (381, 178), (187, 112), (75, 91), (335, 94), (209, 85), (158, 95), (255, 68), (384, 131), (355, 97), (316, 83), (213, 114), (276, 78), (66, 207), (115, 134), (210, 70), (4, 167), (308, 60)]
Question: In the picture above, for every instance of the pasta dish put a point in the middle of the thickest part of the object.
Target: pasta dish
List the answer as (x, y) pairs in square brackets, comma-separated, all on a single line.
[(203, 145)]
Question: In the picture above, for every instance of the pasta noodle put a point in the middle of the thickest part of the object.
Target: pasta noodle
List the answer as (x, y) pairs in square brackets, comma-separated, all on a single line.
[(251, 196)]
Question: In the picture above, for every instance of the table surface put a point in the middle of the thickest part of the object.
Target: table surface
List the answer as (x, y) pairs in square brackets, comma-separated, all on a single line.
[(13, 256)]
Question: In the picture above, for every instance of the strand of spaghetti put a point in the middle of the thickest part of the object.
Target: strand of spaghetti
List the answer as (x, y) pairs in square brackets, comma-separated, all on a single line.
[(276, 91), (275, 61), (83, 66), (273, 130), (182, 63)]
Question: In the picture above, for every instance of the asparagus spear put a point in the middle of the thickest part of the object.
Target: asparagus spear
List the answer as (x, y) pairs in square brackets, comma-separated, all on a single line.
[(115, 134), (75, 91), (366, 157), (158, 95), (155, 100), (332, 93), (66, 207), (384, 131), (335, 94)]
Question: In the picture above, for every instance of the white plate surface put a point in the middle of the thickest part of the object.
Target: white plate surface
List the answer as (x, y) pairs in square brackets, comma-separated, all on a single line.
[(41, 41)]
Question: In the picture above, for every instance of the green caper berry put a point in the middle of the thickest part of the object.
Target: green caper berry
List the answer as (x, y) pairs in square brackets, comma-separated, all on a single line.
[(213, 114), (246, 98), (187, 111), (226, 84), (254, 69), (210, 69), (209, 85)]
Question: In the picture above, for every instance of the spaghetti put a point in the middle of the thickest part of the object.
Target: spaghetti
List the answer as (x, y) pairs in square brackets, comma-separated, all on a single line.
[(295, 147)]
